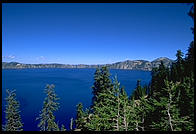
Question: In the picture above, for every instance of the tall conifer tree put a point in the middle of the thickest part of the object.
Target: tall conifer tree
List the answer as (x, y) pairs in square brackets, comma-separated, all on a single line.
[(46, 116), (80, 117), (103, 101), (13, 119), (170, 119), (124, 110)]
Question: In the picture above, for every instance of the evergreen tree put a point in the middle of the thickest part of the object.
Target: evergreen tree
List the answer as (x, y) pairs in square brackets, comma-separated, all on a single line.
[(124, 110), (46, 116), (157, 82), (133, 116), (102, 83), (170, 119), (103, 113), (186, 102), (102, 117), (179, 56), (96, 85), (85, 119), (189, 60), (139, 91), (179, 67), (139, 108), (136, 117), (80, 117), (13, 118), (190, 55), (186, 88), (121, 108), (117, 125)]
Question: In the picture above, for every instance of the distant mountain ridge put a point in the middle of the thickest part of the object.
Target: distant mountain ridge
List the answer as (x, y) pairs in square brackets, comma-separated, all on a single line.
[(128, 64)]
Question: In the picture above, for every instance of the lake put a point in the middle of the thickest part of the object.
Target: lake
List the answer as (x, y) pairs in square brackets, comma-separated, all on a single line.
[(71, 85)]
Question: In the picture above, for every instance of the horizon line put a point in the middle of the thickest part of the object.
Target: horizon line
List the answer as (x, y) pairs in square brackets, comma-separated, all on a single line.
[(89, 64)]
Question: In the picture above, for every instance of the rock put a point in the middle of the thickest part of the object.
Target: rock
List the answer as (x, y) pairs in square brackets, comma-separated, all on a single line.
[(128, 64)]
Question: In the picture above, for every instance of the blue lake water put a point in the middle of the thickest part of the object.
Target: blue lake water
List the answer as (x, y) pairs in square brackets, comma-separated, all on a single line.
[(71, 85)]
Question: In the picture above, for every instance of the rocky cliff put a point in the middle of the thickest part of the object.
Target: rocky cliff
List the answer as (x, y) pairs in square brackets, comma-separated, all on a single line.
[(128, 64)]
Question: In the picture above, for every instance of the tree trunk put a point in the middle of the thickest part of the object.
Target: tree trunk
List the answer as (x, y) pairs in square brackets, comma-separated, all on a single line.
[(125, 121), (118, 115), (168, 112)]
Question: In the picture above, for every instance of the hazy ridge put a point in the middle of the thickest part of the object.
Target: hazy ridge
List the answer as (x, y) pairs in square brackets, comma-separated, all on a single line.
[(128, 64)]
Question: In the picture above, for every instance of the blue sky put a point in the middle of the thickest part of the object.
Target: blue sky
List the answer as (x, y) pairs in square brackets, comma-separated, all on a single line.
[(93, 33)]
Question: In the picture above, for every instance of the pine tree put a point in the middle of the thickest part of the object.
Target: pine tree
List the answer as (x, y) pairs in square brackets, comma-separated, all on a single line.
[(102, 83), (121, 108), (156, 92), (96, 85), (124, 110), (134, 116), (139, 108), (186, 102), (157, 82), (87, 116), (80, 117), (189, 60), (139, 91), (46, 116), (186, 88), (102, 117), (170, 119), (179, 66), (117, 125), (13, 118), (190, 55)]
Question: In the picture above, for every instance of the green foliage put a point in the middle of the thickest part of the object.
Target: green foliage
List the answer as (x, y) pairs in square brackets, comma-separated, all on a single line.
[(121, 109), (170, 118), (185, 94), (139, 110), (102, 83), (103, 113), (80, 117), (139, 91), (186, 102), (177, 71), (103, 102), (117, 120), (157, 82), (13, 118), (167, 106), (46, 116), (124, 110), (189, 60)]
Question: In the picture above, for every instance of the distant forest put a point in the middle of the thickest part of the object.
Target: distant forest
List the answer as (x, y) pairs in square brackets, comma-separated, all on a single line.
[(166, 104)]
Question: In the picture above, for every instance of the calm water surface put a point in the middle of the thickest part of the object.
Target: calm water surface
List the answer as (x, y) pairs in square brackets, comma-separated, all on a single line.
[(71, 85)]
